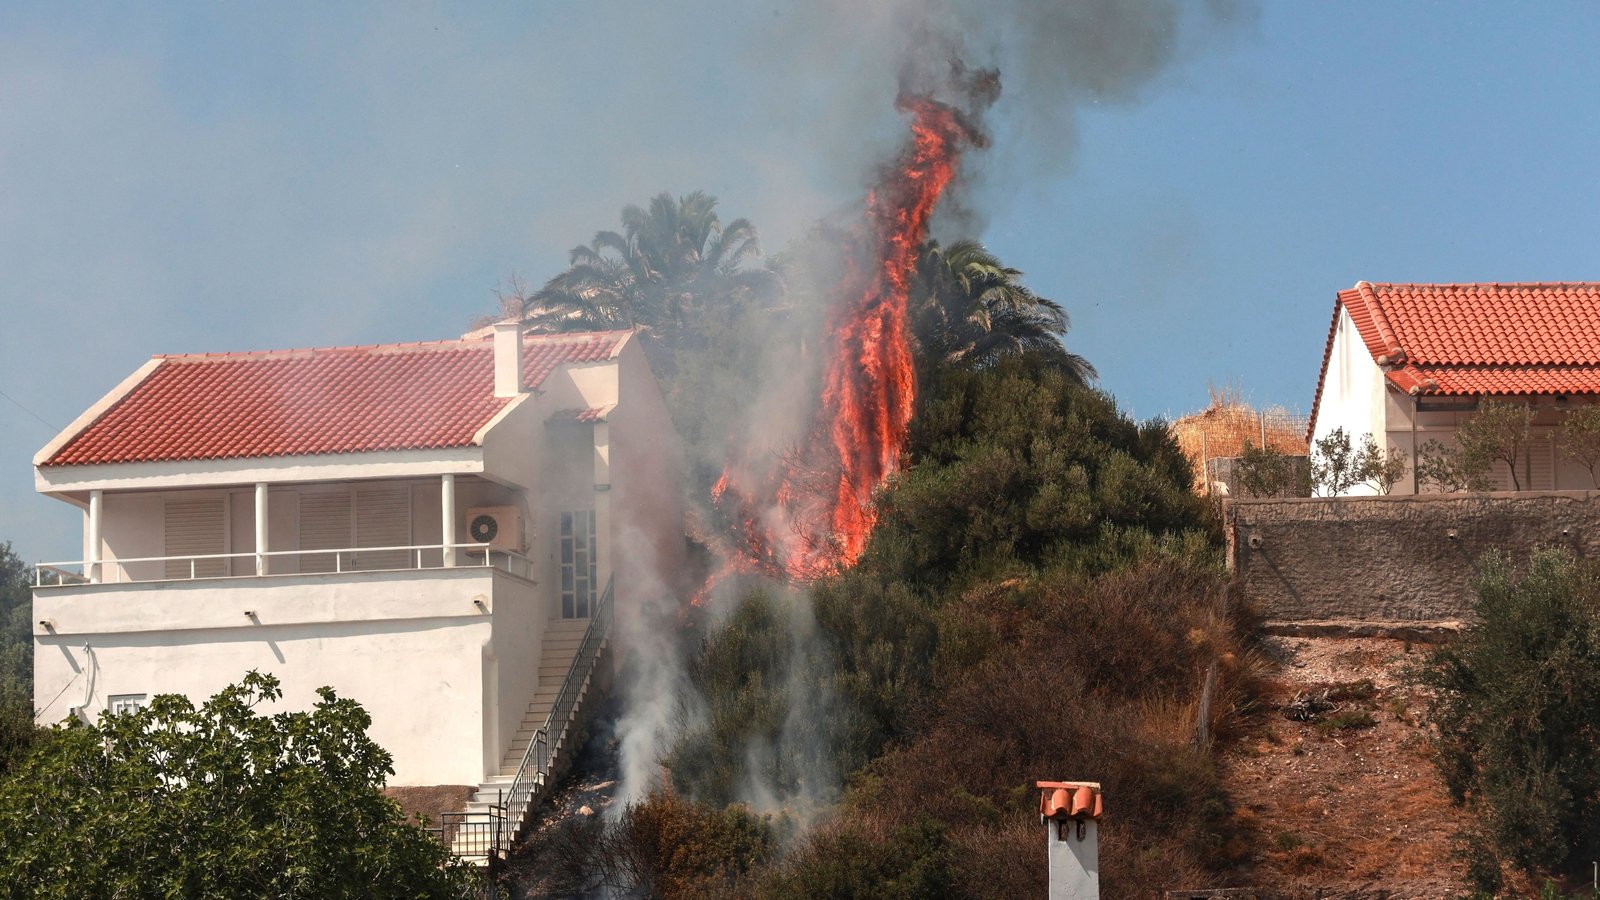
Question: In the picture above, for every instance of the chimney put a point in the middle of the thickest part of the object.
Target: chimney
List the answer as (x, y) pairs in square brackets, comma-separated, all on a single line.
[(508, 358), (1071, 812)]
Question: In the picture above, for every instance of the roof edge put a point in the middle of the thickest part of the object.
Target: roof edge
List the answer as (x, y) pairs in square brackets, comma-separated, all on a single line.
[(517, 402), (1322, 376), (1387, 343), (94, 412)]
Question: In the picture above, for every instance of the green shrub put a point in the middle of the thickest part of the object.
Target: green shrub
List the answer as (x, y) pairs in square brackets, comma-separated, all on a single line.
[(849, 862), (1518, 711), (18, 732), (1269, 472), (216, 801)]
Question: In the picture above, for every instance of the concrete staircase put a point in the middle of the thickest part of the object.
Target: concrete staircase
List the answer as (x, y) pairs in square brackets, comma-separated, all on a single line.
[(562, 638)]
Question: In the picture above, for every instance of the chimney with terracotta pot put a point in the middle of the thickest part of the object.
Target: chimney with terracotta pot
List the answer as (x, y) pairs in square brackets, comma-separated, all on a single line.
[(508, 358), (1071, 812)]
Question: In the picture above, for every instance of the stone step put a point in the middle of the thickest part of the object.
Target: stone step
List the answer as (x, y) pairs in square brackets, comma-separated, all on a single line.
[(559, 624), (562, 641)]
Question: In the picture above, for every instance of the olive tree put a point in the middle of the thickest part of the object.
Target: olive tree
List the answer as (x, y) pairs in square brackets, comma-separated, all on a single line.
[(1338, 464), (1580, 439), (1498, 432), (1451, 469)]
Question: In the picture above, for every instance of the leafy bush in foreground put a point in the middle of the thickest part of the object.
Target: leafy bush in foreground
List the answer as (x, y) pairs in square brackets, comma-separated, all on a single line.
[(1518, 713), (219, 801)]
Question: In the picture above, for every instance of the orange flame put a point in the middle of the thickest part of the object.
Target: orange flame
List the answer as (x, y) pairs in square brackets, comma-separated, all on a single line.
[(812, 513)]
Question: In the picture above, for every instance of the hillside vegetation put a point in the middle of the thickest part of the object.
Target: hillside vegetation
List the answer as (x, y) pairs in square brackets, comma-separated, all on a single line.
[(1043, 598)]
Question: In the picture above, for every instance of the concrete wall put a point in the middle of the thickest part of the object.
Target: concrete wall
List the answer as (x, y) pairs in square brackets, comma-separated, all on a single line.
[(1393, 559), (412, 647)]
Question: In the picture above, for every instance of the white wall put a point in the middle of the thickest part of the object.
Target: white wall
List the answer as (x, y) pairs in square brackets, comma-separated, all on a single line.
[(521, 612), (133, 528), (410, 646), (1354, 393)]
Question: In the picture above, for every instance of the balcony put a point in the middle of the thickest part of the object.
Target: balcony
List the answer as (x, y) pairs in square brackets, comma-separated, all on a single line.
[(280, 563)]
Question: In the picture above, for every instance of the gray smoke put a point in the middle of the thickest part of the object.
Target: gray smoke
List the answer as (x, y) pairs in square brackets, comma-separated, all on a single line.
[(1020, 72)]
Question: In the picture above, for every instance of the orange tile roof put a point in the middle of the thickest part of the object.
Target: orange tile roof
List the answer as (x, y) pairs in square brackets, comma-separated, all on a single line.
[(1070, 800), (1473, 339), (428, 395)]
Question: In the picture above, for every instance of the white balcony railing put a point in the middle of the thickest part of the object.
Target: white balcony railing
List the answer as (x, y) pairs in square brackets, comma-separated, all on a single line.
[(253, 565)]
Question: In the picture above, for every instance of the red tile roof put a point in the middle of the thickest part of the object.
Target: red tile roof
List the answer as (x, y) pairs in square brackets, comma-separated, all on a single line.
[(428, 395), (1070, 800), (581, 416), (1472, 339)]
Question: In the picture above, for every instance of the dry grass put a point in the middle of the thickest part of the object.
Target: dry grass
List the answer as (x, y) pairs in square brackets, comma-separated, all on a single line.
[(1344, 810), (429, 802), (1224, 427)]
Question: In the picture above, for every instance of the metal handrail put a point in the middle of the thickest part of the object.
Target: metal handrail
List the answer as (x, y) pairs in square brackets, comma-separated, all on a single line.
[(415, 550), (533, 773)]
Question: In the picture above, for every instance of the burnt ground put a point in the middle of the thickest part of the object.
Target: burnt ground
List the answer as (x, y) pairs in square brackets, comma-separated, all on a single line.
[(544, 864), (1347, 805)]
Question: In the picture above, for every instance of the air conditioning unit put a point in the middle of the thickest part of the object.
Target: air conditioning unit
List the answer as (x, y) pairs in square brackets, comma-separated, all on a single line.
[(498, 526)]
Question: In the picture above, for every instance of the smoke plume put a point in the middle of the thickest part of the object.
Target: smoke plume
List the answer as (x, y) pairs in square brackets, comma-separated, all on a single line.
[(940, 108)]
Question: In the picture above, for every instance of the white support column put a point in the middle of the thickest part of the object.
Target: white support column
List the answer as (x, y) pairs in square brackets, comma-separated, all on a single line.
[(447, 512), (261, 528), (97, 503), (602, 506)]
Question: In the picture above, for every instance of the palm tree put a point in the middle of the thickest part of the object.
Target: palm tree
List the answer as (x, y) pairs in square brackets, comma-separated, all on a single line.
[(670, 264), (967, 308)]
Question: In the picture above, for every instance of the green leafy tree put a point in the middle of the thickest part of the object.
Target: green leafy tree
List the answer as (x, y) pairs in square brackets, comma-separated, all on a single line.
[(1338, 464), (1450, 469), (1379, 469), (1269, 472), (1335, 466), (1580, 439), (216, 801), (1498, 432), (967, 307), (17, 730), (1518, 713)]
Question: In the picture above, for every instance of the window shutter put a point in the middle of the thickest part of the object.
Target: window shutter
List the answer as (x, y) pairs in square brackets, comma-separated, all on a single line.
[(194, 527), (1542, 462), (324, 525), (383, 519)]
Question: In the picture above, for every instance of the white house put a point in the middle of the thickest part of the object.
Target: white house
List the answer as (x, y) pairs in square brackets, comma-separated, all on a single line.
[(425, 527), (1408, 362)]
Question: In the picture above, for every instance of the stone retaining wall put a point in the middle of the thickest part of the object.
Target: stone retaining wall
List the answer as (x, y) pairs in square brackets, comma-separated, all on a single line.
[(1397, 559)]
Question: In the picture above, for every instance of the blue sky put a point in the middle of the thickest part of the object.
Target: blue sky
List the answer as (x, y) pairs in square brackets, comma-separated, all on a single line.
[(210, 177)]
